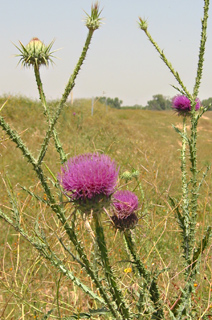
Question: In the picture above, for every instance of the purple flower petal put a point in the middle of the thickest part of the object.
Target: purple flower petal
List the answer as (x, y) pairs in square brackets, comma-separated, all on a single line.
[(182, 104), (89, 175), (125, 203)]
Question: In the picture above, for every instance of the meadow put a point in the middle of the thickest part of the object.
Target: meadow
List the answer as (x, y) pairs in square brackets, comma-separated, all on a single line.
[(142, 140)]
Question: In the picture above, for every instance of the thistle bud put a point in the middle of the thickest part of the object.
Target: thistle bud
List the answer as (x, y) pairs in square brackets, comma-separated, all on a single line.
[(143, 24), (35, 53), (126, 175), (135, 173), (93, 21)]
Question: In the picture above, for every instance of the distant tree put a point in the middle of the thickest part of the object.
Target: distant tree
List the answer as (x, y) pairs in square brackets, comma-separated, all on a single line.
[(113, 103), (207, 102), (159, 102)]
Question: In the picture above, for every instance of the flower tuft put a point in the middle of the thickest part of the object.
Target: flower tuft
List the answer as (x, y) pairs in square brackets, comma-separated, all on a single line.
[(89, 178), (35, 53), (182, 105), (125, 203)]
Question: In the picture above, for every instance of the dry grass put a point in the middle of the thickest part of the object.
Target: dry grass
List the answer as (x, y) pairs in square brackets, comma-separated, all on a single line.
[(142, 140)]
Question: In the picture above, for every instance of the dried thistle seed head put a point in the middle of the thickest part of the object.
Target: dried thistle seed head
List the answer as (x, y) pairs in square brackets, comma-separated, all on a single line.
[(35, 53), (93, 21)]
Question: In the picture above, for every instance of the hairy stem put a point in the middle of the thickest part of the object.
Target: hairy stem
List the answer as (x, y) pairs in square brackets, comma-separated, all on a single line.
[(58, 145), (64, 98), (168, 64), (115, 291), (153, 288), (202, 49)]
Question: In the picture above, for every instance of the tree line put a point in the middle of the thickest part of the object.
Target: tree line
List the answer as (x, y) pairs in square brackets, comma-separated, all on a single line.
[(157, 103)]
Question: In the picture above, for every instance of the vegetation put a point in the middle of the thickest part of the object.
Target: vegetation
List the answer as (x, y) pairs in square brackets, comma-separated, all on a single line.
[(207, 103), (159, 102), (83, 249), (113, 103), (138, 140)]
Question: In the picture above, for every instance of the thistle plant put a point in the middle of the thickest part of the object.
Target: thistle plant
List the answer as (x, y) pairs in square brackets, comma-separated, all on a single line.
[(187, 105), (87, 192)]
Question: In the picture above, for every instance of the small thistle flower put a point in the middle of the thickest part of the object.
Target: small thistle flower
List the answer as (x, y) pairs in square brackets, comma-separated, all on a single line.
[(89, 180), (182, 105), (35, 53), (125, 203), (93, 21)]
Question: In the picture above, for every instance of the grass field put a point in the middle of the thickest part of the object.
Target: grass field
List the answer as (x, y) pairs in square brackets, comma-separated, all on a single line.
[(136, 139)]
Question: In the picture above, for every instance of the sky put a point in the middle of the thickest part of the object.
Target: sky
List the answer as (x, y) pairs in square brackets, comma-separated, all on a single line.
[(121, 61)]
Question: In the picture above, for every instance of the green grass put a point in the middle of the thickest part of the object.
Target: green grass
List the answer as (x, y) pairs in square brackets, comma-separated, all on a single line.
[(139, 139)]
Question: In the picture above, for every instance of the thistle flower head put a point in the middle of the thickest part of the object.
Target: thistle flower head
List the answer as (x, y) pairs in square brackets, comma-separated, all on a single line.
[(125, 203), (182, 105), (89, 178), (35, 53), (93, 21)]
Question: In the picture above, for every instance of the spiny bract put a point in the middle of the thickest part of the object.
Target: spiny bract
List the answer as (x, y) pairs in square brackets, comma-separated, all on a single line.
[(35, 53)]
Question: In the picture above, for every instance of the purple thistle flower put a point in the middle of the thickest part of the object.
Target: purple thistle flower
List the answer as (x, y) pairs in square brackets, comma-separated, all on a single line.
[(182, 105), (88, 176), (125, 203)]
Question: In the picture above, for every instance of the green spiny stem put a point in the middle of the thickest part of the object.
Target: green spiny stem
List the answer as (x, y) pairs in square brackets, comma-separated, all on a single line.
[(14, 136), (55, 261), (202, 245), (56, 208), (153, 288), (115, 291), (139, 265), (183, 170), (64, 98), (40, 89), (72, 236), (202, 49), (194, 186), (203, 178), (58, 145), (168, 64), (90, 272), (185, 198)]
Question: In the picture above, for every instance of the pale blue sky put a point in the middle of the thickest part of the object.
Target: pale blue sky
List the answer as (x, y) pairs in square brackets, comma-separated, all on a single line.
[(121, 61)]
